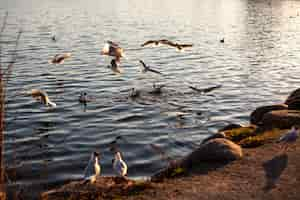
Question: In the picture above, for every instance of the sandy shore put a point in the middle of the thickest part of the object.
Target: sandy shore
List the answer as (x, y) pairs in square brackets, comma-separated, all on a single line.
[(265, 172)]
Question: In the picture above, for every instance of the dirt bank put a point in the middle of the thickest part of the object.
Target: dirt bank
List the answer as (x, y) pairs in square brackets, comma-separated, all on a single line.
[(265, 172)]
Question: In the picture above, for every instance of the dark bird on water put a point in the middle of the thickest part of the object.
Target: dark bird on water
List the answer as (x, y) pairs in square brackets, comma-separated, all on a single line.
[(222, 40), (157, 89), (145, 68), (134, 93)]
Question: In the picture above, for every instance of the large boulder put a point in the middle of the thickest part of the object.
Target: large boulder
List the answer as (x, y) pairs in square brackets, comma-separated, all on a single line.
[(212, 153), (214, 150), (257, 115), (283, 119), (293, 100)]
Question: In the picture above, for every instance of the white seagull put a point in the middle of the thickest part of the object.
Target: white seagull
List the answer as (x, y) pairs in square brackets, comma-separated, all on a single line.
[(42, 97), (119, 165), (290, 137), (92, 176)]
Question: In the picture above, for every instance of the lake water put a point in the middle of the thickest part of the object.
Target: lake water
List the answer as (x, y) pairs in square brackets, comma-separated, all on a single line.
[(257, 65)]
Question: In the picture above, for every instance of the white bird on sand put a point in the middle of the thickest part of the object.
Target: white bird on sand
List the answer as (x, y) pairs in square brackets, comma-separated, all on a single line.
[(290, 137), (88, 174), (60, 58), (42, 97), (113, 49), (119, 165)]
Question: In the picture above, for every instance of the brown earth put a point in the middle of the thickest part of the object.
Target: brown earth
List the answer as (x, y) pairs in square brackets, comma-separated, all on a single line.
[(266, 172)]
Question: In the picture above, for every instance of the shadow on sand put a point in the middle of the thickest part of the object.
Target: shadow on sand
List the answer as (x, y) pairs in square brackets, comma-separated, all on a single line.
[(273, 170)]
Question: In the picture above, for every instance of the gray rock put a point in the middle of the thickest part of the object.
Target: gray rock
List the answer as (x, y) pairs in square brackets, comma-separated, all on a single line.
[(257, 115)]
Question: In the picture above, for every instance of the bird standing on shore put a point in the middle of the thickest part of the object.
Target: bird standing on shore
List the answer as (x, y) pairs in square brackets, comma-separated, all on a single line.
[(60, 58), (290, 137), (113, 49), (94, 160), (42, 97), (119, 165)]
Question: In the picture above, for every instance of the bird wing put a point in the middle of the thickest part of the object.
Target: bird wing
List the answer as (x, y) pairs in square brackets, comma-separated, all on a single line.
[(87, 171), (122, 167), (185, 45), (154, 71), (149, 42), (144, 67), (169, 43), (205, 90), (196, 89)]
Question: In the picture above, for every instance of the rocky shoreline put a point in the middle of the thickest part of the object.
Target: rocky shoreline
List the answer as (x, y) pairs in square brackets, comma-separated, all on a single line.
[(236, 163)]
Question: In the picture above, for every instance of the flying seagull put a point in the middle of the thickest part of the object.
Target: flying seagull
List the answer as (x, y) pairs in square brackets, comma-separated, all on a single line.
[(88, 174), (153, 42), (60, 58), (145, 68), (114, 66), (178, 46), (42, 97), (113, 49)]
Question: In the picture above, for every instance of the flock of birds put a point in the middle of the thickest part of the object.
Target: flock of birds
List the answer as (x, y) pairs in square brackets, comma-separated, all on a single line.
[(93, 169)]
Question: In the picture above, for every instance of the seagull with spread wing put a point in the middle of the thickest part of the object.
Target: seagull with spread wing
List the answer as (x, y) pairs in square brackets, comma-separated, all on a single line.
[(60, 58), (113, 49), (114, 66), (42, 97), (145, 68)]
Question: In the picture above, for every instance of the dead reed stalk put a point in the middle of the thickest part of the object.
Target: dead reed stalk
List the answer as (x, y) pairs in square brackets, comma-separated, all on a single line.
[(4, 78)]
